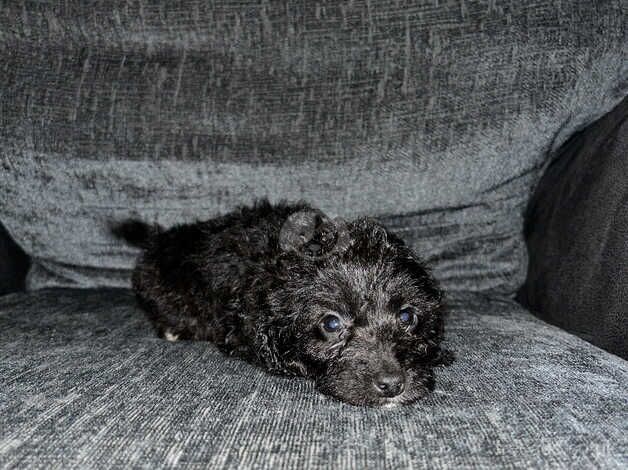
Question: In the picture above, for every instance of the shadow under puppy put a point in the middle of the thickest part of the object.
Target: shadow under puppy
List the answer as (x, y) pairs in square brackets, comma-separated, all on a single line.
[(286, 288)]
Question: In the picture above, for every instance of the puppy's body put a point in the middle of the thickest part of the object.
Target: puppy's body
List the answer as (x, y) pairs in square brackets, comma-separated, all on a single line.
[(362, 317)]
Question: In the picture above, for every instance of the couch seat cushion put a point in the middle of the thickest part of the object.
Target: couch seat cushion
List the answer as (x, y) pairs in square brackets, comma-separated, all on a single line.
[(86, 383)]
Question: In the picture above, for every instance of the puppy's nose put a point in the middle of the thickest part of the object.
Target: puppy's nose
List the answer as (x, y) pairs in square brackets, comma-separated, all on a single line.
[(389, 384)]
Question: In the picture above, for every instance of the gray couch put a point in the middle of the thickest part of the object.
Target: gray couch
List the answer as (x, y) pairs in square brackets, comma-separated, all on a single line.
[(438, 118)]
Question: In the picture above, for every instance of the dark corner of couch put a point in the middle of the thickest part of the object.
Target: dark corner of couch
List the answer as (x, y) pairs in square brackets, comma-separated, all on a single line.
[(576, 231), (14, 264)]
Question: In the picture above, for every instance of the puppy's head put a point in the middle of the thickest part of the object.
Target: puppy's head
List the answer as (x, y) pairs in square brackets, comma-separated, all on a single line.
[(366, 322)]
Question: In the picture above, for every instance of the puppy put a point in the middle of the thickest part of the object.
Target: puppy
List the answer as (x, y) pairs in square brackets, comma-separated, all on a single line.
[(285, 287)]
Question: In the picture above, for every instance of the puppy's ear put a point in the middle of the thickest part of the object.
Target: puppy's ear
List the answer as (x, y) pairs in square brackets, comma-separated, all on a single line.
[(410, 263), (395, 240), (424, 278), (312, 234), (370, 240), (270, 346)]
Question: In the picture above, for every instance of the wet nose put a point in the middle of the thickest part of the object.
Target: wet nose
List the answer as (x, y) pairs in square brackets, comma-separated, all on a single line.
[(389, 384)]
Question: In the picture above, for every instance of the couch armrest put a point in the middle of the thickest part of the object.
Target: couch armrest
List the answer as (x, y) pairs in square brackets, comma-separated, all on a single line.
[(577, 236), (14, 264)]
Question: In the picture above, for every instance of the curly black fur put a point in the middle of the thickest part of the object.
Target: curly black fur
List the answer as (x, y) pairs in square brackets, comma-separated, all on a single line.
[(230, 280)]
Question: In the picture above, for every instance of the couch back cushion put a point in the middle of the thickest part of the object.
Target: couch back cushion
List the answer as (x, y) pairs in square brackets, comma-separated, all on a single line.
[(433, 116), (577, 234)]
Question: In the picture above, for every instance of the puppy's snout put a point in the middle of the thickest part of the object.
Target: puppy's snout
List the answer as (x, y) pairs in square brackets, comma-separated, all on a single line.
[(389, 384)]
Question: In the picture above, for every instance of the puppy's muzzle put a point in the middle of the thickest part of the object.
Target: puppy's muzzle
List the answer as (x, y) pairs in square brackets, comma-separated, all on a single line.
[(389, 384)]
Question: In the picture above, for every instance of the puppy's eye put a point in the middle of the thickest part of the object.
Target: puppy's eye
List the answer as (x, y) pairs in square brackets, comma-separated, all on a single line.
[(407, 317), (331, 323)]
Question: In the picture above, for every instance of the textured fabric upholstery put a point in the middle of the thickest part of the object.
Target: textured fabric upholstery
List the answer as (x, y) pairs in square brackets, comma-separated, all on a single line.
[(433, 115), (85, 383), (577, 235)]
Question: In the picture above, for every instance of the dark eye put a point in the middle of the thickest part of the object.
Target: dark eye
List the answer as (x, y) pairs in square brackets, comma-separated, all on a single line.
[(407, 317), (331, 323)]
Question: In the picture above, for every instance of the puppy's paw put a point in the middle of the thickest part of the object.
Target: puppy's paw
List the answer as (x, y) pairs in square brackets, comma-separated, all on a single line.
[(170, 336)]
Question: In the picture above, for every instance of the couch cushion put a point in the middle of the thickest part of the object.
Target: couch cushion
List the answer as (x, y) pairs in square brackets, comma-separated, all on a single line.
[(577, 235), (86, 383), (437, 114)]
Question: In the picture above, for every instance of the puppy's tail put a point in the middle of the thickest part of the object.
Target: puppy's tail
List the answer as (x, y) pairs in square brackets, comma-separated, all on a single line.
[(135, 232)]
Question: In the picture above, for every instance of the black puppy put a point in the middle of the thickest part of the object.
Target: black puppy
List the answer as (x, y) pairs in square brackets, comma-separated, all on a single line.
[(285, 287)]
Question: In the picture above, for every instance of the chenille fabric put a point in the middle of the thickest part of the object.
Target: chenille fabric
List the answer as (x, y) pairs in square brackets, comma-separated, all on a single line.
[(434, 116), (87, 384)]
